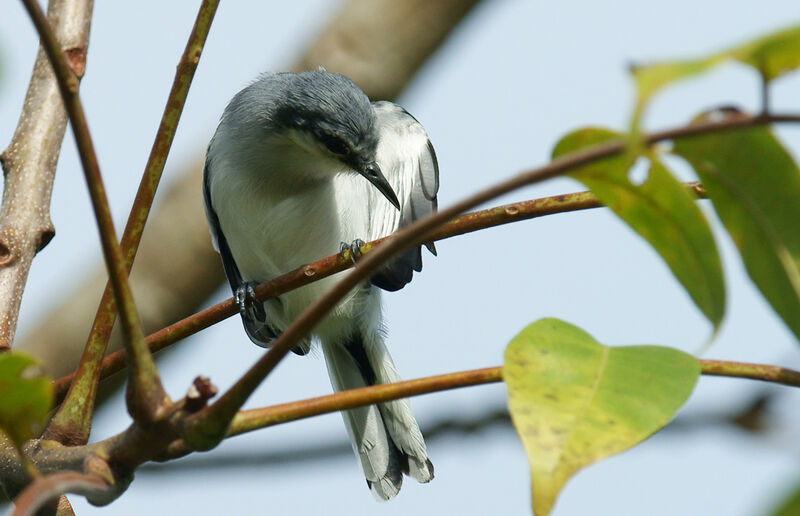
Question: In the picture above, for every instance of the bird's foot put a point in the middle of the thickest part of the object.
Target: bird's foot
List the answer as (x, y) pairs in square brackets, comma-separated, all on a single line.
[(245, 296), (354, 247)]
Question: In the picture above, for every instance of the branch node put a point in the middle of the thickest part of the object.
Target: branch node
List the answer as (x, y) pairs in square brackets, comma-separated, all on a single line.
[(76, 59), (6, 256), (199, 393)]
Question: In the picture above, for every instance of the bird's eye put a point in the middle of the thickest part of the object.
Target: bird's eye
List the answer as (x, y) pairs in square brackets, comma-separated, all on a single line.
[(336, 145)]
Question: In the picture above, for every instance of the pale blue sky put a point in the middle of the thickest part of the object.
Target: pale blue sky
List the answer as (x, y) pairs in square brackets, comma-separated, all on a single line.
[(515, 77)]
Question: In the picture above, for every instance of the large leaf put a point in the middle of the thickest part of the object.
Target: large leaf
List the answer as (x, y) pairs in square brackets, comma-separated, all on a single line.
[(25, 397), (789, 506), (574, 401), (663, 212), (755, 186), (772, 55)]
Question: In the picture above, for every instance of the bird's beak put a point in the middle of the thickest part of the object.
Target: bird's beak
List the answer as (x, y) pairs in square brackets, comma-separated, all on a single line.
[(373, 173)]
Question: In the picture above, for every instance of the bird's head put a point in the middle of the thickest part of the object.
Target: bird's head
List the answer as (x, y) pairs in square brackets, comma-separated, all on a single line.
[(330, 117)]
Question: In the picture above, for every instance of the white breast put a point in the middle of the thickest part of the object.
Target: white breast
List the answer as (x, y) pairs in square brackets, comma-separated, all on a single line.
[(275, 223)]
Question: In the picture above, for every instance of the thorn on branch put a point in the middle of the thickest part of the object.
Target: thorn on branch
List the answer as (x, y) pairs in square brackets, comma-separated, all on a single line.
[(45, 237)]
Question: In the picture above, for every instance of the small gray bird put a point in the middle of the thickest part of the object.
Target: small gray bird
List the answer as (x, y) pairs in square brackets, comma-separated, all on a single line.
[(303, 165)]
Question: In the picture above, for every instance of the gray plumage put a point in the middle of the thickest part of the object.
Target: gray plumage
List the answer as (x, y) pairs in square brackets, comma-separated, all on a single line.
[(299, 164)]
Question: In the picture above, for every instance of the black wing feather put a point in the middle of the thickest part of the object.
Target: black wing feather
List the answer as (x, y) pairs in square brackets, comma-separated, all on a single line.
[(254, 318)]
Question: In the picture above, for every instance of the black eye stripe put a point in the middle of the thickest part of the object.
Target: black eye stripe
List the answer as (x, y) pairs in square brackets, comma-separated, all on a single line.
[(335, 145)]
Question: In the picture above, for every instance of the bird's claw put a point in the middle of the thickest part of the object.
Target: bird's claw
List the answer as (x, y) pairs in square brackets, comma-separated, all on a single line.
[(245, 295), (354, 247)]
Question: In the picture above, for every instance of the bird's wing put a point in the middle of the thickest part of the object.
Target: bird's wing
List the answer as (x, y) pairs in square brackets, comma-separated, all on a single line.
[(407, 159), (254, 317)]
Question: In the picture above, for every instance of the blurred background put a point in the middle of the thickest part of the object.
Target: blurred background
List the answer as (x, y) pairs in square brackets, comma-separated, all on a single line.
[(509, 80)]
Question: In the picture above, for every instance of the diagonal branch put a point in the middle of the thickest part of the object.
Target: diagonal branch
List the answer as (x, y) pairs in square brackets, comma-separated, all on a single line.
[(461, 225), (207, 428), (330, 265), (146, 395), (336, 263), (29, 162), (72, 423)]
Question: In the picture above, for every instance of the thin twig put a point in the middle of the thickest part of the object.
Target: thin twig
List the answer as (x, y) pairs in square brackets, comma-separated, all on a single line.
[(315, 271), (72, 424), (255, 419), (765, 373), (249, 420), (146, 395), (206, 428), (43, 489), (336, 263)]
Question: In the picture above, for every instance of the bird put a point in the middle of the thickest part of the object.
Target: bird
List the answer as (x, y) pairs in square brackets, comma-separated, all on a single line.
[(303, 165)]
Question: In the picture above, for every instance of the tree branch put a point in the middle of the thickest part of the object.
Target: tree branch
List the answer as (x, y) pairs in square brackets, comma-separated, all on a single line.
[(254, 419), (380, 45), (330, 265), (45, 488), (765, 373), (207, 428), (146, 396), (29, 162), (249, 420), (73, 422)]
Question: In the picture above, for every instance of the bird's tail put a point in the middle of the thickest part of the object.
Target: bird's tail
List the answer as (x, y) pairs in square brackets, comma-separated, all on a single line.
[(385, 438)]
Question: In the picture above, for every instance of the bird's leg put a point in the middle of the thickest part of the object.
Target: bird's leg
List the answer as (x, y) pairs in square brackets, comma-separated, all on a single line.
[(245, 296), (354, 247)]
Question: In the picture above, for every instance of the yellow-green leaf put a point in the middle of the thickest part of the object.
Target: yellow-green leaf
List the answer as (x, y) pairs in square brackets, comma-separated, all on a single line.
[(663, 212), (574, 401), (25, 397), (651, 78), (772, 55), (755, 186)]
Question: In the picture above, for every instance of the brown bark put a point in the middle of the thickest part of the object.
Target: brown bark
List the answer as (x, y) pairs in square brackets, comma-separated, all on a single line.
[(29, 162)]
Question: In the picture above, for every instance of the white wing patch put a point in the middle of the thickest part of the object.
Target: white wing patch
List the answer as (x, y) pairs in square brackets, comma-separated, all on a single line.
[(407, 159)]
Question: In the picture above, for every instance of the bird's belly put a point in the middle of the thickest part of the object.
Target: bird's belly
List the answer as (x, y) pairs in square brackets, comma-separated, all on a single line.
[(271, 236)]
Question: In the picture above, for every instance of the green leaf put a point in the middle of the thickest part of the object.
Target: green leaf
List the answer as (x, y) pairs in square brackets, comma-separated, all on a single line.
[(772, 55), (755, 186), (790, 505), (663, 212), (651, 78), (25, 397), (574, 401)]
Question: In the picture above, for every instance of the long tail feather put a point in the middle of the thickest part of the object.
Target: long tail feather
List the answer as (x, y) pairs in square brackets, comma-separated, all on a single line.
[(386, 438)]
